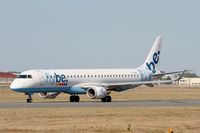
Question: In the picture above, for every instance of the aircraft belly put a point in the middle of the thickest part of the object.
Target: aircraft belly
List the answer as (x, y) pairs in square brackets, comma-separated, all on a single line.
[(71, 90)]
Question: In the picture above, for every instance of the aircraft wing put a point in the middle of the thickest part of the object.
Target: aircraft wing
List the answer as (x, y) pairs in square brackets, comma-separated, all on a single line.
[(146, 82), (159, 75), (137, 83), (120, 86)]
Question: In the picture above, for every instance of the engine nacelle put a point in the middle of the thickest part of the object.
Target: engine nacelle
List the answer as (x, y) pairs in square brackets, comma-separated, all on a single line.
[(96, 92), (49, 95)]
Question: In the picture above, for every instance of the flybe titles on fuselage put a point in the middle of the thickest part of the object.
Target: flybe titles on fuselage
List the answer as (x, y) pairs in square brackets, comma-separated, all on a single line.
[(60, 80)]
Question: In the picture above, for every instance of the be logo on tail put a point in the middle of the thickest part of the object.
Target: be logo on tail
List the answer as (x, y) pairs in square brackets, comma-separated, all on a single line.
[(155, 59)]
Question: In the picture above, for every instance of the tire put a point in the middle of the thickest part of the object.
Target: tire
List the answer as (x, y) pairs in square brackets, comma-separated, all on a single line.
[(29, 100), (76, 98), (108, 99), (103, 99), (71, 99)]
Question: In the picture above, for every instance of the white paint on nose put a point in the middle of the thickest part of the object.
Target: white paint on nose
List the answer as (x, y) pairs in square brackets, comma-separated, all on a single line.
[(17, 84)]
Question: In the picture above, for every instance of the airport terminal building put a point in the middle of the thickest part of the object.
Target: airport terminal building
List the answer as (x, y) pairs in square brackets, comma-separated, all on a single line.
[(194, 82)]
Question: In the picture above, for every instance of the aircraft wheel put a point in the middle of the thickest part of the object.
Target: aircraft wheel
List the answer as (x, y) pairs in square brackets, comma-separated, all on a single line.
[(103, 99), (108, 99), (76, 98), (71, 98), (29, 100)]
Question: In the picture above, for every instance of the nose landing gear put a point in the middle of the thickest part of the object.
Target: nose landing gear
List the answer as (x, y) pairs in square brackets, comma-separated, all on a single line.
[(29, 98)]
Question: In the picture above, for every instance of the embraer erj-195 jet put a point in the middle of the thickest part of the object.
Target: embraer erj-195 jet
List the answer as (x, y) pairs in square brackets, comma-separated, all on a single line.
[(95, 83)]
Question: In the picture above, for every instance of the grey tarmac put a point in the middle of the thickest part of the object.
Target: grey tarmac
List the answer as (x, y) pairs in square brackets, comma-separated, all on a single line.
[(142, 103)]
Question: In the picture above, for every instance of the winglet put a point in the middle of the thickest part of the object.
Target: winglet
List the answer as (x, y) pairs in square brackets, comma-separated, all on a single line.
[(181, 75)]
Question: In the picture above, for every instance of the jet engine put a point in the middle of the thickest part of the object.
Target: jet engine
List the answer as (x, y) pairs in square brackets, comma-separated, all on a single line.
[(49, 95), (96, 92)]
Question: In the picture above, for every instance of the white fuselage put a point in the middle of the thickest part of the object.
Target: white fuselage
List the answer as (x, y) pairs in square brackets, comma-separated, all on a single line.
[(74, 80)]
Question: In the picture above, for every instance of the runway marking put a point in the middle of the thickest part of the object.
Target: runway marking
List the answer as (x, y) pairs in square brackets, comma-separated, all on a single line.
[(147, 103)]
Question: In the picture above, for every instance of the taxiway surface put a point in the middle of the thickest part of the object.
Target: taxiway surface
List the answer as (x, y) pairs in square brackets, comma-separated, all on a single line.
[(147, 103)]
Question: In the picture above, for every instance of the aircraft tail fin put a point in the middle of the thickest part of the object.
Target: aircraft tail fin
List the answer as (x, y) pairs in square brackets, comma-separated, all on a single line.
[(153, 59)]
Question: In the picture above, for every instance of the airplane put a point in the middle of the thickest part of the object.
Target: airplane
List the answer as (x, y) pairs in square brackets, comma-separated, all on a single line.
[(95, 83)]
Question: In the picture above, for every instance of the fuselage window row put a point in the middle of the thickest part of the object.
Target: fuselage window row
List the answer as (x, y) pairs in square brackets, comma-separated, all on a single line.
[(103, 76)]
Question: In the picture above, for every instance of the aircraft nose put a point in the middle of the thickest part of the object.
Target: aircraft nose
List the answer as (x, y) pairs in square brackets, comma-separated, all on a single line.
[(15, 85)]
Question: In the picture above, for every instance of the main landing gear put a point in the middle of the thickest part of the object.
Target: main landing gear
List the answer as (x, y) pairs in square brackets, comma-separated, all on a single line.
[(106, 99), (29, 99), (74, 98)]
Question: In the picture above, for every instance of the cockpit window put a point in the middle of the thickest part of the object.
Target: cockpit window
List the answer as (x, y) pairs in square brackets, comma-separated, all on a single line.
[(29, 76), (25, 76), (22, 76)]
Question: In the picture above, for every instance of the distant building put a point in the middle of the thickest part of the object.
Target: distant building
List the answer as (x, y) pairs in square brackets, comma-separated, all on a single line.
[(189, 82), (7, 77)]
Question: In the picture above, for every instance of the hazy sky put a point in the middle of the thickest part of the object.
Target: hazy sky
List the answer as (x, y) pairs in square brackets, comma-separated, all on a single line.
[(42, 34)]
